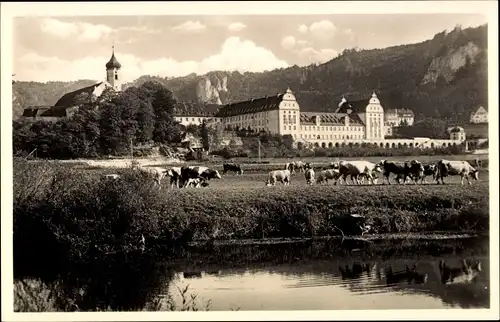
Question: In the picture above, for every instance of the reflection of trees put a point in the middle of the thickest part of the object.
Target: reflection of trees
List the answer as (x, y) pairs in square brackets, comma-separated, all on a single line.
[(118, 283), (317, 263)]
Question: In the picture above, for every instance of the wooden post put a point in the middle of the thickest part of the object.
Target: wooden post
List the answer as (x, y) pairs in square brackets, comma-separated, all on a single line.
[(259, 149), (131, 154)]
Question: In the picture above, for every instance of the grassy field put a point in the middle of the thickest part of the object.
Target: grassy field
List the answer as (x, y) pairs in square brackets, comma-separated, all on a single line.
[(66, 210)]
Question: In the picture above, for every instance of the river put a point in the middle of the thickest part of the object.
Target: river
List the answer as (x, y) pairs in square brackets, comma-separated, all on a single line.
[(350, 282)]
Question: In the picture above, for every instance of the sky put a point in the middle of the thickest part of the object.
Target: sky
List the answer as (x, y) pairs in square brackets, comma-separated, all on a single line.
[(78, 47)]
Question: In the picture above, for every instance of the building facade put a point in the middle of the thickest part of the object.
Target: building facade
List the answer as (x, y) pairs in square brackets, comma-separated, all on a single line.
[(479, 116), (396, 117), (352, 123)]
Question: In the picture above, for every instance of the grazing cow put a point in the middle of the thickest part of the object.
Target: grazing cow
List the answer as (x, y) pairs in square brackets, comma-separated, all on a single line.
[(458, 275), (453, 168), (196, 182), (408, 275), (157, 173), (330, 174), (113, 176), (356, 169), (402, 170), (232, 167), (309, 175), (282, 176), (193, 172), (175, 176)]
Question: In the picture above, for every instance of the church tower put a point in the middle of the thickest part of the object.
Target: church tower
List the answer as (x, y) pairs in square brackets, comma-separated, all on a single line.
[(113, 76)]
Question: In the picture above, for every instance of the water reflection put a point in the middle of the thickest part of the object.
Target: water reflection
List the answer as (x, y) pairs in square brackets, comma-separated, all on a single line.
[(344, 284)]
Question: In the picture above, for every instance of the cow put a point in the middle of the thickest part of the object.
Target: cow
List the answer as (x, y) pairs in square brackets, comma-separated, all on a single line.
[(193, 172), (309, 175), (196, 182), (232, 167), (429, 170), (282, 176), (175, 176), (457, 275), (452, 168), (402, 170), (330, 174), (363, 176), (112, 176), (300, 166), (295, 165), (155, 172), (414, 170), (356, 169)]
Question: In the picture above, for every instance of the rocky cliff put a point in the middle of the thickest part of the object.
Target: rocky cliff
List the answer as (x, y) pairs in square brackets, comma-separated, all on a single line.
[(210, 92)]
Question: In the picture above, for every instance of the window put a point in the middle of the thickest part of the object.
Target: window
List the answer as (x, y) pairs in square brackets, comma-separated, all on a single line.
[(294, 127)]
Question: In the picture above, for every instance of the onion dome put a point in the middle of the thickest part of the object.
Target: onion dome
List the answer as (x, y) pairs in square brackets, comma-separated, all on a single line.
[(113, 62)]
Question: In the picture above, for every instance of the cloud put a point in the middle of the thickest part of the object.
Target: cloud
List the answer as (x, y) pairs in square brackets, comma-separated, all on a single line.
[(236, 26), (82, 30), (288, 42), (303, 29), (234, 54), (323, 29), (303, 43), (140, 29), (190, 26), (317, 56)]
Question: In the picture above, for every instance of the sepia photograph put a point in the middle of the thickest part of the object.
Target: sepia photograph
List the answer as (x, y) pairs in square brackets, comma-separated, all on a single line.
[(250, 157)]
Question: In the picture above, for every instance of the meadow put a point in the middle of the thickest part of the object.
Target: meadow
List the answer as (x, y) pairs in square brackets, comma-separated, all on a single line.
[(70, 222)]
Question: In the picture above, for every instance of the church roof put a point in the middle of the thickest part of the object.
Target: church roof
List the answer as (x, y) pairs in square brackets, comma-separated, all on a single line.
[(113, 62), (72, 98), (263, 104)]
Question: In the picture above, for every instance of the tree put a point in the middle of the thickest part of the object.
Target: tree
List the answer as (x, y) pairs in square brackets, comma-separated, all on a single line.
[(166, 129), (204, 136)]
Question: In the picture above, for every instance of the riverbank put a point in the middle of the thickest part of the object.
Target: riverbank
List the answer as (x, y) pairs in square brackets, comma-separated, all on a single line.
[(64, 216)]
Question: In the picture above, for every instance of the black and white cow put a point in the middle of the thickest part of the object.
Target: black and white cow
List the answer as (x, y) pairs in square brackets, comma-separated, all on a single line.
[(232, 167), (193, 172)]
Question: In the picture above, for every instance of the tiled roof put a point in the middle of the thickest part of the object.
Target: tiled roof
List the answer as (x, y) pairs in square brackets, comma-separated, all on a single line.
[(401, 112), (329, 118), (257, 105), (37, 111), (71, 98), (195, 109)]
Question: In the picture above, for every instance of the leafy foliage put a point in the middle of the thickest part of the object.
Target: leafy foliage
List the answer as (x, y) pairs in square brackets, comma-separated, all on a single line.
[(103, 126)]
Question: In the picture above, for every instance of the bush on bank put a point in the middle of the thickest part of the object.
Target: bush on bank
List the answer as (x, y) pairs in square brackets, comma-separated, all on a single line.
[(63, 217)]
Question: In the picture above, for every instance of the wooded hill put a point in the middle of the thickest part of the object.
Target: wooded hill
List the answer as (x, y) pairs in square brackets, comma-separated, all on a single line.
[(443, 77)]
